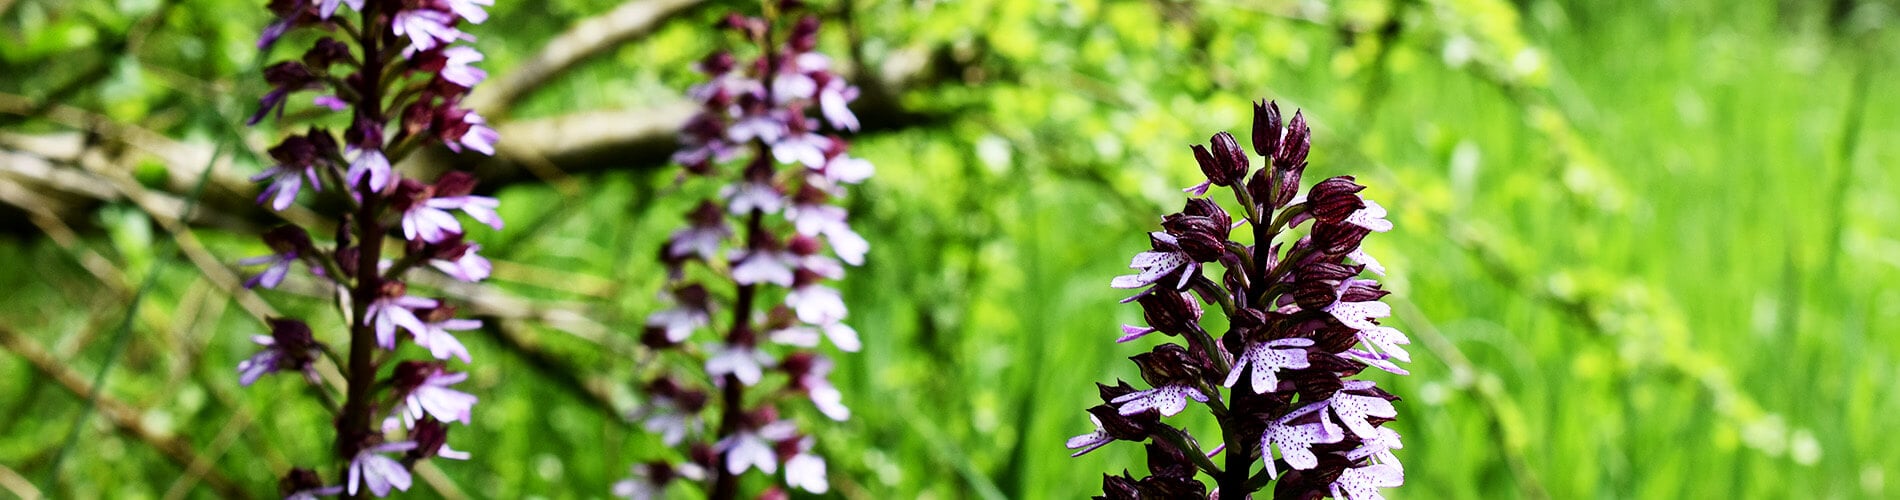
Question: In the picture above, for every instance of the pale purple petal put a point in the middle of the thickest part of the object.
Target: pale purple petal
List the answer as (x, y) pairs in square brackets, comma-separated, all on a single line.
[(1089, 442), (845, 337), (1131, 332), (807, 472), (471, 10), (816, 304), (374, 165)]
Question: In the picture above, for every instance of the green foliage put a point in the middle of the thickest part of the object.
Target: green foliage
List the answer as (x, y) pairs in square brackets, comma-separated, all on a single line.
[(1644, 250)]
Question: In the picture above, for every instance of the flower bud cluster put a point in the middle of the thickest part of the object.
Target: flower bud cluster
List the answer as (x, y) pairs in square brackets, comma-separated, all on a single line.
[(398, 69), (761, 254), (1301, 322)]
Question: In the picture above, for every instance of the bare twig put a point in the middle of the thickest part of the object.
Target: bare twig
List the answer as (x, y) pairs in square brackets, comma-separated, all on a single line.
[(439, 482), (127, 419), (587, 39), (12, 481), (199, 467)]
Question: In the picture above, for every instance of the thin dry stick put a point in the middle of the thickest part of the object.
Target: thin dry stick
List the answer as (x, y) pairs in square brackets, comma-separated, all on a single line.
[(18, 485), (433, 476), (127, 419), (586, 39), (232, 429)]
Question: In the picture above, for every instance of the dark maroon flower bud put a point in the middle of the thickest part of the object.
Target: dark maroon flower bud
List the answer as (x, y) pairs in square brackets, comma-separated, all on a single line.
[(743, 336), (1337, 239), (717, 63), (803, 245), (752, 27), (451, 248), (1110, 392), (1362, 291), (291, 335), (760, 169), (1266, 127), (299, 479), (429, 436), (441, 312), (1165, 460), (1203, 207), (1169, 364), (1329, 271), (1135, 427), (454, 183), (765, 414), (654, 337), (797, 364), (694, 296), (660, 472), (295, 150), (1171, 312), (1333, 199), (1209, 165), (289, 75), (346, 258), (1203, 238), (288, 8), (1312, 295), (1264, 188), (1120, 487), (364, 134), (703, 455), (838, 144), (1159, 486), (327, 51), (810, 195), (321, 142), (1246, 324), (416, 118), (690, 401), (802, 277), (774, 493), (409, 375), (1276, 186), (706, 214), (786, 448), (410, 193), (1230, 161), (779, 318), (1303, 484), (805, 34), (1294, 145), (288, 240), (663, 387)]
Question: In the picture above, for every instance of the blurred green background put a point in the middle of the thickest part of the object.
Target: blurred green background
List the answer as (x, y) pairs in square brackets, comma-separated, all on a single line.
[(1644, 249)]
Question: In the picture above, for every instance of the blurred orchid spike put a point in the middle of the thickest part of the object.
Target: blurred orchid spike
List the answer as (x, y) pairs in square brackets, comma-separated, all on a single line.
[(774, 237)]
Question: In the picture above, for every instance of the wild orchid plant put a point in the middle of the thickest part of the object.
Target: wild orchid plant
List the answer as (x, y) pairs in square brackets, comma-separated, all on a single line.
[(789, 231), (400, 74), (1300, 322)]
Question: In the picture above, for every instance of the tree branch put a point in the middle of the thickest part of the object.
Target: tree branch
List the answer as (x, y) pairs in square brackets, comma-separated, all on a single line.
[(587, 39), (126, 418)]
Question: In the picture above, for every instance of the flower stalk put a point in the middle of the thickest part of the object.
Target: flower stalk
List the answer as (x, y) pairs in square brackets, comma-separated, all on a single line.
[(390, 44), (1302, 320), (782, 170)]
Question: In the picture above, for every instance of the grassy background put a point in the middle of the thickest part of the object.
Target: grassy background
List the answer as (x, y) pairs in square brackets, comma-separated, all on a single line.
[(1644, 250)]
